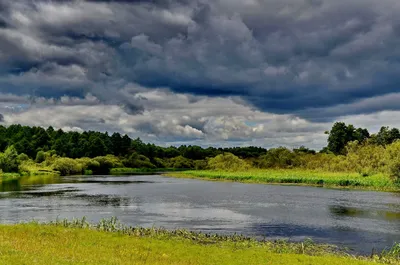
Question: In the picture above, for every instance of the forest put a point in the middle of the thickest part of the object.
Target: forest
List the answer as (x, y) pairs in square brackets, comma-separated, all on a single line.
[(35, 150)]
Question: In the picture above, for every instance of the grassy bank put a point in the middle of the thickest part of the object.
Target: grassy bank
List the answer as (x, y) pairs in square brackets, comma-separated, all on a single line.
[(109, 243), (5, 177), (128, 170), (298, 177), (38, 173)]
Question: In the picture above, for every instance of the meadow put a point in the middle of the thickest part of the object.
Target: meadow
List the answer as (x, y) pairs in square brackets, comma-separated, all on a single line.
[(354, 180), (73, 242)]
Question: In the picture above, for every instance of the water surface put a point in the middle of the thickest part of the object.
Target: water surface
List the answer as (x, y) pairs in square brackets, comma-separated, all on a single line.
[(360, 220)]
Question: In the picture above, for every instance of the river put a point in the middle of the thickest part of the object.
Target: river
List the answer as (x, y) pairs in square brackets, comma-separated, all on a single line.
[(359, 220)]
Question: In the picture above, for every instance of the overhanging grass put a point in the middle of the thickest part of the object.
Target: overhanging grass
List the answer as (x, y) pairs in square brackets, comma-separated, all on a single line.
[(109, 243), (295, 176)]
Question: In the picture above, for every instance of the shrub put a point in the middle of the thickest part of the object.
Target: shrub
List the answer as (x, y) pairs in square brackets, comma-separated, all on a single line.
[(159, 163), (393, 160), (40, 157), (200, 164), (88, 163), (22, 157), (9, 160), (67, 166), (138, 161), (366, 159), (105, 163), (229, 162), (280, 157), (180, 162)]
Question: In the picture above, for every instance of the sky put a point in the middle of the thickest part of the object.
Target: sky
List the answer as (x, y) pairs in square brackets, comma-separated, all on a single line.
[(223, 72)]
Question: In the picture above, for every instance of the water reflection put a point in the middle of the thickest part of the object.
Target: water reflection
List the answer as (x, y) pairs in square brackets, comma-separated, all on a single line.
[(123, 182), (28, 181), (345, 211), (12, 185), (105, 200), (359, 220)]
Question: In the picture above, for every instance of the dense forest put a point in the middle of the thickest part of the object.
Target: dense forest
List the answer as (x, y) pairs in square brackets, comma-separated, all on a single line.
[(35, 149), (30, 140)]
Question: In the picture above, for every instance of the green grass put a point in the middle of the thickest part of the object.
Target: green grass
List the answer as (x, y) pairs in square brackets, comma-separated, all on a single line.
[(128, 170), (29, 169), (35, 169), (5, 177), (110, 243), (297, 177)]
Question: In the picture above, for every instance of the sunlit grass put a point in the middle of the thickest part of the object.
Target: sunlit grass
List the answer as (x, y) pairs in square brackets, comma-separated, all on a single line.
[(128, 170), (110, 243), (29, 168), (296, 176), (5, 177)]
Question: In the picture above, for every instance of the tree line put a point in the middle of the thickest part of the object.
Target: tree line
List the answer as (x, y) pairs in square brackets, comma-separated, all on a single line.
[(31, 140), (27, 149)]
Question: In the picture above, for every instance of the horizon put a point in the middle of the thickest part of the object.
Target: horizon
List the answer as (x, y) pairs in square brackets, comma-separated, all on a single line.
[(208, 73)]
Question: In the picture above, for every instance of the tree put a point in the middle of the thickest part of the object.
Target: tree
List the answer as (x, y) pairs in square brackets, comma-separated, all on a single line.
[(304, 150), (386, 136), (341, 134), (9, 160), (96, 147), (338, 138), (40, 157)]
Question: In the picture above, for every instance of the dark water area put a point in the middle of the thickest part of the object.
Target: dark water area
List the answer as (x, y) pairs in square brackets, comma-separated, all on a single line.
[(359, 220)]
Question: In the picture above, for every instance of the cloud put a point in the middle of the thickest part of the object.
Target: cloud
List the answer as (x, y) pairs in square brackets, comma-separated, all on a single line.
[(278, 71), (171, 118)]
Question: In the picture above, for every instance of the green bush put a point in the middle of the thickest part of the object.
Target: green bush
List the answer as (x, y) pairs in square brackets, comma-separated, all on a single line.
[(105, 163), (22, 157), (67, 166), (393, 160), (280, 157), (228, 162), (180, 162), (138, 161), (159, 163), (9, 160), (40, 157), (200, 164)]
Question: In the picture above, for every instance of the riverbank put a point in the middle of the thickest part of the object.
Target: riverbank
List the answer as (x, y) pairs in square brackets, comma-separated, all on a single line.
[(127, 170), (379, 182), (110, 243), (9, 177), (6, 177)]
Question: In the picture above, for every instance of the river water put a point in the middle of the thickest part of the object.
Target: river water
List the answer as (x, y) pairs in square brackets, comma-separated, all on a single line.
[(359, 220)]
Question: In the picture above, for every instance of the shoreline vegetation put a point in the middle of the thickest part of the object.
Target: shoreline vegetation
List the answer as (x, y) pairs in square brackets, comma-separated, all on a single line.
[(109, 242), (352, 159), (378, 182)]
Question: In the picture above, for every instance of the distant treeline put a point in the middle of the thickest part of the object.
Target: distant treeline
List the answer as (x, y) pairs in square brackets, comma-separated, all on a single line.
[(30, 140), (34, 150)]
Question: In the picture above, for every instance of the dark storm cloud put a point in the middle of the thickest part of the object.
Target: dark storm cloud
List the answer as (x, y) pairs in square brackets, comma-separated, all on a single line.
[(281, 56)]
